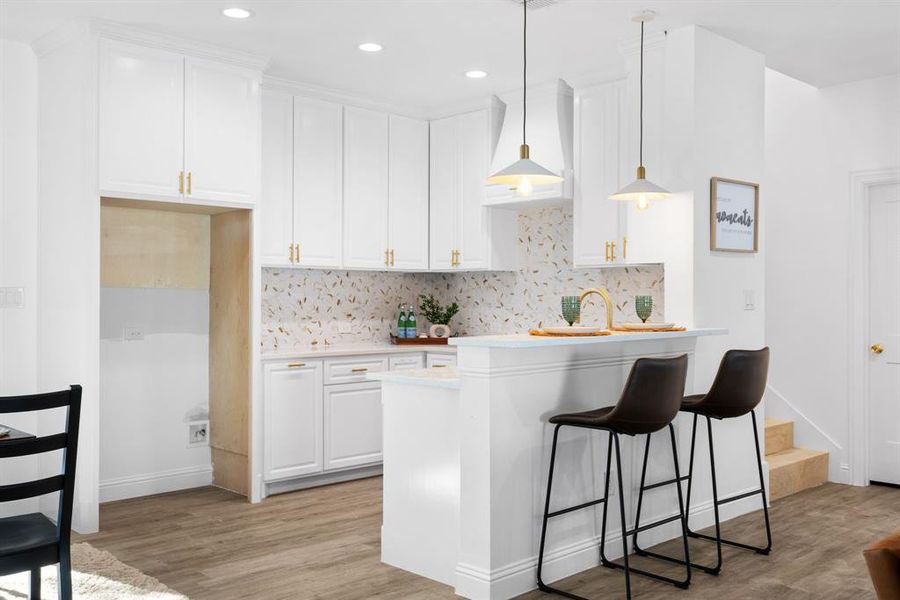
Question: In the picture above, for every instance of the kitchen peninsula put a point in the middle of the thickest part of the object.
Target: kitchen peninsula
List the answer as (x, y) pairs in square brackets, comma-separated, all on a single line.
[(466, 452)]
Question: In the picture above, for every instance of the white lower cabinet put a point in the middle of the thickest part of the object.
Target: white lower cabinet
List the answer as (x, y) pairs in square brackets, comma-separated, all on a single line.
[(293, 419), (436, 359), (405, 363), (352, 424)]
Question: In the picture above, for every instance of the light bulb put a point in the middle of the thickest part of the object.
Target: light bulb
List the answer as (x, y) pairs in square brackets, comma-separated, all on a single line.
[(642, 202), (524, 188)]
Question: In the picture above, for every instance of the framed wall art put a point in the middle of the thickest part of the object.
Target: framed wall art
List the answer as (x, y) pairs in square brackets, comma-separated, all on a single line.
[(733, 215)]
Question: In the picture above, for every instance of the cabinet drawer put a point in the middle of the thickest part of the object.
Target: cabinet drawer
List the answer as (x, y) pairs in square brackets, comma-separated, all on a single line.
[(402, 363), (441, 360), (350, 370)]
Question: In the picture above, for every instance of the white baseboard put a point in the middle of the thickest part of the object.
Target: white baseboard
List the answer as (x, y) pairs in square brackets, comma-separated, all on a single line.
[(808, 435), (148, 484), (520, 577)]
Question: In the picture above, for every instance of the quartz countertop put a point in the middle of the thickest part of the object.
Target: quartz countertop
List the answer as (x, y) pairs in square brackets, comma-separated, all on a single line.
[(443, 377), (355, 350), (617, 337)]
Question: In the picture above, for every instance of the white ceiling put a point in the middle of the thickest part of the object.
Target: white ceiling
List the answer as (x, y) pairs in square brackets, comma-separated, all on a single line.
[(429, 44)]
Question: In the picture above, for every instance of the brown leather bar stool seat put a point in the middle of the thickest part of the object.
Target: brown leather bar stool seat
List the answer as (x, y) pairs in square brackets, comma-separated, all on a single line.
[(650, 401), (883, 561), (736, 392)]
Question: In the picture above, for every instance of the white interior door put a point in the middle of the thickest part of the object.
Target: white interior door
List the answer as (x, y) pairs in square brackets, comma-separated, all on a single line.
[(221, 132), (365, 188), (884, 333), (141, 121), (276, 202), (408, 187)]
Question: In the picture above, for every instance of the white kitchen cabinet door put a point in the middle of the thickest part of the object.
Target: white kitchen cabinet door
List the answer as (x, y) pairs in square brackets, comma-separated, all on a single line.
[(318, 181), (597, 157), (444, 199), (474, 162), (221, 132), (352, 425), (365, 189), (293, 400), (408, 189), (275, 208), (141, 121), (405, 363)]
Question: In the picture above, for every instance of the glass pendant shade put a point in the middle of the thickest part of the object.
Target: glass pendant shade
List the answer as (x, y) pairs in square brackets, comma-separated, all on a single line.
[(524, 174)]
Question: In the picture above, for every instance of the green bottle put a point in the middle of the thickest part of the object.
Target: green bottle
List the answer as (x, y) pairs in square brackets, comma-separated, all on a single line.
[(401, 322), (412, 329)]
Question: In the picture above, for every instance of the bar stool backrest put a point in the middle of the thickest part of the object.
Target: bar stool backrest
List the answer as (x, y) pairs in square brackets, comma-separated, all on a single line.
[(739, 384), (652, 394)]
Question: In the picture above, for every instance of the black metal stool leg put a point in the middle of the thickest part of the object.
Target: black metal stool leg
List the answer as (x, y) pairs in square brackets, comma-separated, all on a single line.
[(622, 516), (762, 487), (540, 564), (605, 504)]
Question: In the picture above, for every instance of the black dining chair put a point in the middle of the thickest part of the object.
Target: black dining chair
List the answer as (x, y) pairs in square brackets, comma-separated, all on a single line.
[(29, 542)]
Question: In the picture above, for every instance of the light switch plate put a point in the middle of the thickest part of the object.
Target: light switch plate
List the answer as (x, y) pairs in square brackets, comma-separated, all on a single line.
[(749, 300), (12, 297)]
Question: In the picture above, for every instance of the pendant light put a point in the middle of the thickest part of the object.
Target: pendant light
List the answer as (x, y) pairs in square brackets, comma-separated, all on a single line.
[(642, 190), (524, 174)]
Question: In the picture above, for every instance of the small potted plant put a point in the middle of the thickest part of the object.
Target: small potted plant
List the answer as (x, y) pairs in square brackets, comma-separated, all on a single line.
[(437, 315)]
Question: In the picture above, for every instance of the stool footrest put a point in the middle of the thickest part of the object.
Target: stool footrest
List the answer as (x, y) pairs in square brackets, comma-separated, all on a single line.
[(739, 497), (574, 508), (652, 525), (711, 538), (677, 561), (662, 483)]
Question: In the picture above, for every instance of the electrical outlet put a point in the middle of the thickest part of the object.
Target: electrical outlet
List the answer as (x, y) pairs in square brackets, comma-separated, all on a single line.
[(133, 334), (198, 433), (345, 327), (12, 297)]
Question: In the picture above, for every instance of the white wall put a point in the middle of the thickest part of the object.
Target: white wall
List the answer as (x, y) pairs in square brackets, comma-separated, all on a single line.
[(18, 245), (815, 138)]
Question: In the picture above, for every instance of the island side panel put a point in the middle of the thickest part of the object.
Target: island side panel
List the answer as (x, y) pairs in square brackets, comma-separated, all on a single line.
[(506, 397)]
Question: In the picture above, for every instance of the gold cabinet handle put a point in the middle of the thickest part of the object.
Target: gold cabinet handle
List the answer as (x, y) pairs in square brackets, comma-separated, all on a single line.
[(612, 252), (359, 370), (438, 366), (877, 348), (387, 260), (180, 182), (607, 251), (296, 364), (291, 252), (624, 248), (297, 256), (392, 257), (189, 182)]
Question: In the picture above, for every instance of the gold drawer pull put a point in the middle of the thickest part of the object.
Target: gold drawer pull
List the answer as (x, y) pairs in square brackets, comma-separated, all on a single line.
[(438, 366), (295, 365), (359, 370)]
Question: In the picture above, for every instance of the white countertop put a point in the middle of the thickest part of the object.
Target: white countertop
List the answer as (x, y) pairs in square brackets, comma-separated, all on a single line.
[(443, 377), (355, 350), (617, 337)]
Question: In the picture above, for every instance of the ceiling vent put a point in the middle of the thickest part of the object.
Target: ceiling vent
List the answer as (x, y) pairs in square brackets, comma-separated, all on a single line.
[(537, 4)]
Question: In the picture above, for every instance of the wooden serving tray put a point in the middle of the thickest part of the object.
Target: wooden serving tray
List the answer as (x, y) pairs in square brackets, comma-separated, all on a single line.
[(541, 332), (418, 341)]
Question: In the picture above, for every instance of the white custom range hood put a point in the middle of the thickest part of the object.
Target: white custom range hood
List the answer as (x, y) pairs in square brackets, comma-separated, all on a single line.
[(550, 130)]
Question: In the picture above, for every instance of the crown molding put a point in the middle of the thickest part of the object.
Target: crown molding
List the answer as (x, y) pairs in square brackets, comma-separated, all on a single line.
[(308, 90), (81, 27)]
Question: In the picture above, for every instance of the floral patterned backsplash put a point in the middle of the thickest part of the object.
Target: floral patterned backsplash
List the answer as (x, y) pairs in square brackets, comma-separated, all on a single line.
[(302, 307)]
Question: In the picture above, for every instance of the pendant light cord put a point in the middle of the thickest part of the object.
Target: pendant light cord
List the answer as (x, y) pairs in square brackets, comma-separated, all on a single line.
[(524, 64), (641, 117)]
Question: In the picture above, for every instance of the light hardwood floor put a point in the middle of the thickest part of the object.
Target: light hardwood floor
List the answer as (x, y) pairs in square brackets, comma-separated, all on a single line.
[(324, 543)]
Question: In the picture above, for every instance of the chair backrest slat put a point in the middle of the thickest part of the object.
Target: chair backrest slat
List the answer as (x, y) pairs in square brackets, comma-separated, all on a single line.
[(31, 489), (13, 404), (39, 445)]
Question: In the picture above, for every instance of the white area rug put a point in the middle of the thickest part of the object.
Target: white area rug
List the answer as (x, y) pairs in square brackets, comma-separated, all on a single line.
[(96, 575)]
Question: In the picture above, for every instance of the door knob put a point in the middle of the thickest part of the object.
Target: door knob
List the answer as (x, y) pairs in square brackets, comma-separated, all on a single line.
[(877, 348)]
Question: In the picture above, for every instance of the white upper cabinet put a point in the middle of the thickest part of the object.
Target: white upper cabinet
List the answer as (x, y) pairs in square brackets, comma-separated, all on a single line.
[(174, 128), (141, 121), (222, 122), (464, 234), (444, 197), (276, 201), (318, 182), (365, 189), (408, 188)]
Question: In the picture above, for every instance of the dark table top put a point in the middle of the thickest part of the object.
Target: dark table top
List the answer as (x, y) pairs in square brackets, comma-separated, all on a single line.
[(14, 434)]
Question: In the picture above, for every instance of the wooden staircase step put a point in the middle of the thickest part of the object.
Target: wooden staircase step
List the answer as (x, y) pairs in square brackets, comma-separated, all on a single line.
[(794, 470), (779, 435)]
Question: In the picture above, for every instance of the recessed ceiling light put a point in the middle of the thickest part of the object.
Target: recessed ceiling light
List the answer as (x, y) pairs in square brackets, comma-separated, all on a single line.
[(237, 13), (370, 47), (476, 74)]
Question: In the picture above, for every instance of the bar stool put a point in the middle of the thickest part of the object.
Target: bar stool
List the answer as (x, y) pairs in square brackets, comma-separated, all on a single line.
[(649, 402), (736, 391)]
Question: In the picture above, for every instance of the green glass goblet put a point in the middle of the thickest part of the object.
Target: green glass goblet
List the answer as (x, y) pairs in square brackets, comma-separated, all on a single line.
[(571, 309), (643, 306)]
